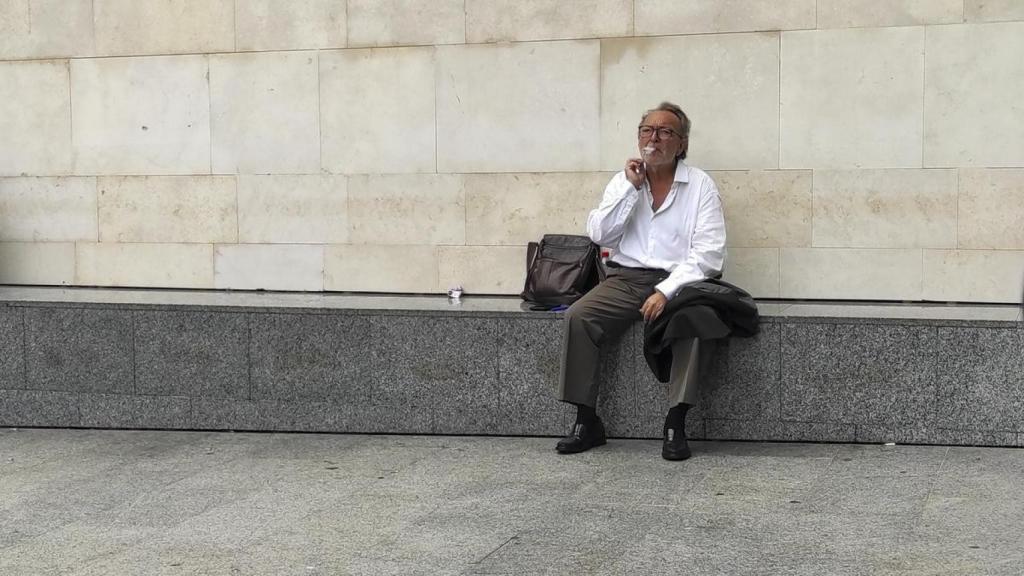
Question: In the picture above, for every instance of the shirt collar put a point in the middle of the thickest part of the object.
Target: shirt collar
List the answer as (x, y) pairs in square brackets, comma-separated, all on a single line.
[(682, 172)]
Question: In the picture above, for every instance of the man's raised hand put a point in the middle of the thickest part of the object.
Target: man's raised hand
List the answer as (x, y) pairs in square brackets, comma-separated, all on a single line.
[(636, 172)]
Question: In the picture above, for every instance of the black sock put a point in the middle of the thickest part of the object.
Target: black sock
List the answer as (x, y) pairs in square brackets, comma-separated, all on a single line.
[(676, 418), (585, 414)]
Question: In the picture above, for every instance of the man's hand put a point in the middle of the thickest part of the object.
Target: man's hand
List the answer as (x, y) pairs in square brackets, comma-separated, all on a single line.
[(654, 306), (636, 172)]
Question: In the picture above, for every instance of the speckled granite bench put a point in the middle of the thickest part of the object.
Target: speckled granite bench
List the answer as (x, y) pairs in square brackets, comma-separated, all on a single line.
[(344, 363)]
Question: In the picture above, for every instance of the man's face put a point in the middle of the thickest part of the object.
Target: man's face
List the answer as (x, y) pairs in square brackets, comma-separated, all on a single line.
[(659, 138)]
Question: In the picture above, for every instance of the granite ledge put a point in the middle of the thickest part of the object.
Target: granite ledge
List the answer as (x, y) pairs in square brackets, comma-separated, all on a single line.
[(772, 311)]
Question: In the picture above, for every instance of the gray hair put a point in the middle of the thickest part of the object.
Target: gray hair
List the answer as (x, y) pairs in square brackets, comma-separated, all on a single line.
[(684, 123)]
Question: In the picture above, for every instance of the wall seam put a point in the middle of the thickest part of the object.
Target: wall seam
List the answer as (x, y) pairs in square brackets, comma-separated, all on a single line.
[(238, 209), (71, 121), (778, 122), (924, 87), (437, 72), (135, 386), (348, 27), (96, 192), (92, 5), (209, 109), (956, 228), (319, 112), (24, 347), (633, 34)]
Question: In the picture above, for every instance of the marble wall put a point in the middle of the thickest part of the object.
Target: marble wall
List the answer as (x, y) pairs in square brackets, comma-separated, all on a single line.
[(865, 149)]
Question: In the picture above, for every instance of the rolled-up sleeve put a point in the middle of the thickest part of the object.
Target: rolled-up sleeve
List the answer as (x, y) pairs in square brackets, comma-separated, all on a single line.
[(707, 246), (607, 222)]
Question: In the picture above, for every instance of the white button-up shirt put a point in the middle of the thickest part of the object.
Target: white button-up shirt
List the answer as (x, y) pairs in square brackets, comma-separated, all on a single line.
[(685, 237)]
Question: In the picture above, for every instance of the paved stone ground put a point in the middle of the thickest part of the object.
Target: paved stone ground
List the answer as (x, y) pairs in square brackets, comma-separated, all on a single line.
[(93, 502)]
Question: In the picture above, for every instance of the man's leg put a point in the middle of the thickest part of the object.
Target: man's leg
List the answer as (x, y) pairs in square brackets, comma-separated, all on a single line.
[(601, 315), (690, 358)]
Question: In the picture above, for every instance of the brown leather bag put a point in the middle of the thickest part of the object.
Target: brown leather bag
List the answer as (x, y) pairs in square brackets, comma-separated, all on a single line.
[(560, 269)]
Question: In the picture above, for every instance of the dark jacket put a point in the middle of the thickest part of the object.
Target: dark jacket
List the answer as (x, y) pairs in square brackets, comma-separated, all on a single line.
[(708, 310)]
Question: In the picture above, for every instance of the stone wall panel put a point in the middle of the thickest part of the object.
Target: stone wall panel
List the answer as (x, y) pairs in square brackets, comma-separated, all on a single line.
[(885, 208), (269, 267), (137, 116), (144, 265), (264, 112), (35, 104), (301, 209), (47, 209), (296, 24), (135, 27), (42, 263), (167, 209), (404, 209), (524, 107), (851, 273), (728, 85), (834, 84), (514, 209), (867, 13), (661, 17), (972, 113), (406, 22), (377, 111), (498, 21), (375, 268)]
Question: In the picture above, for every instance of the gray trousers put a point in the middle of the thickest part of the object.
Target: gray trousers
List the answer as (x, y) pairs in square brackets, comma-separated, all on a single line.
[(603, 315)]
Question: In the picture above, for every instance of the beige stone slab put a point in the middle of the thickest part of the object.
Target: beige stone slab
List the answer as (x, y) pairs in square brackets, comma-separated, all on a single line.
[(292, 209), (756, 270), (852, 98), (973, 82), (974, 275), (45, 29), (139, 116), (528, 107), (405, 22), (514, 209), (368, 268), (885, 208), (383, 121), (168, 209), (264, 113), (137, 27), (144, 265), (47, 209), (500, 21), (39, 263), (993, 10), (866, 13), (292, 25), (727, 84), (35, 106), (850, 274), (482, 269), (766, 208), (270, 267), (991, 209), (427, 209), (664, 17)]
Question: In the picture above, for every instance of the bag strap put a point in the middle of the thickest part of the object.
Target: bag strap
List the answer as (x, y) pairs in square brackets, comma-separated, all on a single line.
[(532, 249)]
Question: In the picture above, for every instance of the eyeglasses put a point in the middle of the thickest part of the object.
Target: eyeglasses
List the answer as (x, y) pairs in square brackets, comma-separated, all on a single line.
[(645, 131)]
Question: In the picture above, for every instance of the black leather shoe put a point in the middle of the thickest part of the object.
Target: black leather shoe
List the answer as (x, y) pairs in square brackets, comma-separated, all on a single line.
[(675, 446), (582, 438)]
